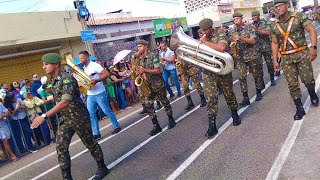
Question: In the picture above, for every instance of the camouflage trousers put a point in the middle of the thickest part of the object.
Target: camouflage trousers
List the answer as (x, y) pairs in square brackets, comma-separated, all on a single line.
[(254, 69), (66, 130), (268, 58), (211, 83), (160, 95), (292, 70), (196, 80)]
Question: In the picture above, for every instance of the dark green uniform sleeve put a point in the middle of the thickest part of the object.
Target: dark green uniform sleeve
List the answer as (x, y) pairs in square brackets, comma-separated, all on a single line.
[(222, 38), (67, 89), (304, 20), (156, 63)]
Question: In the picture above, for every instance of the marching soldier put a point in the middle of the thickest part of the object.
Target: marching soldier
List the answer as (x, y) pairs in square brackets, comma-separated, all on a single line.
[(149, 68), (74, 117), (245, 36), (263, 32), (192, 71), (216, 39), (289, 34)]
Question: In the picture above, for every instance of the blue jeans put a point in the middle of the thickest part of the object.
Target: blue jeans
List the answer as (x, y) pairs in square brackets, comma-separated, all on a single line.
[(93, 101), (166, 74), (22, 133), (121, 99)]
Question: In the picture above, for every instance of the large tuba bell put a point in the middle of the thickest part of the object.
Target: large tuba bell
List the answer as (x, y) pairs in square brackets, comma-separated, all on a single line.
[(83, 79), (193, 51)]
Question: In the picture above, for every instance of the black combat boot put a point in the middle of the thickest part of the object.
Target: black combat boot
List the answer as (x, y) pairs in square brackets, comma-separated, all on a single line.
[(203, 101), (66, 174), (313, 95), (300, 111), (102, 170), (144, 109), (172, 123), (235, 117), (273, 82), (259, 95), (212, 130), (156, 127), (190, 104), (245, 101), (159, 105)]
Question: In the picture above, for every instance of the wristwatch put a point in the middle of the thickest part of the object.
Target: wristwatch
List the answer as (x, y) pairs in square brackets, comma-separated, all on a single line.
[(314, 47), (44, 115)]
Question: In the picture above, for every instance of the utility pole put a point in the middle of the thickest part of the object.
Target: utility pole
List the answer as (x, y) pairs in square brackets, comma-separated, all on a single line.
[(80, 6)]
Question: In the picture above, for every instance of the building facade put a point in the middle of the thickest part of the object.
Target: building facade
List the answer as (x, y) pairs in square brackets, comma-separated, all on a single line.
[(25, 37)]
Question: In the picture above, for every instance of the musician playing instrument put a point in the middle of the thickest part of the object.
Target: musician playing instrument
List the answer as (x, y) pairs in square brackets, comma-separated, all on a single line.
[(74, 117), (263, 32), (245, 36), (149, 68), (98, 95), (216, 39), (192, 71)]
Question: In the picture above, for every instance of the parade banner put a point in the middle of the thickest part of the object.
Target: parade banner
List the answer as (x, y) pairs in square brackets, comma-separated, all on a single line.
[(164, 27)]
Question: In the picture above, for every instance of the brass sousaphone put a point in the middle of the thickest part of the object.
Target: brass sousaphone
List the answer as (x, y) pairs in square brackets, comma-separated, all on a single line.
[(193, 51)]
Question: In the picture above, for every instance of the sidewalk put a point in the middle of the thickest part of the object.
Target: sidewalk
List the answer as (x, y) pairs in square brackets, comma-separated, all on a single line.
[(304, 158)]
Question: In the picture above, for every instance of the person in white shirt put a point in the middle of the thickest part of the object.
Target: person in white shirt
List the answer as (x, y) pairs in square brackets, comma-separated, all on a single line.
[(98, 95), (168, 57)]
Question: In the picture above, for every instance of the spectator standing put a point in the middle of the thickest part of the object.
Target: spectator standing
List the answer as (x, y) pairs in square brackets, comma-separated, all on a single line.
[(19, 122), (98, 95), (47, 97), (5, 132), (33, 104), (35, 85)]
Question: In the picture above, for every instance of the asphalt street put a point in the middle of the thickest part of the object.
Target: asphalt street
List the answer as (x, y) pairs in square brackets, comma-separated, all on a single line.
[(248, 151)]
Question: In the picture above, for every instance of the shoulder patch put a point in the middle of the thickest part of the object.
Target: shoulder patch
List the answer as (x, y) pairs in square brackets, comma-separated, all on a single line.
[(66, 81)]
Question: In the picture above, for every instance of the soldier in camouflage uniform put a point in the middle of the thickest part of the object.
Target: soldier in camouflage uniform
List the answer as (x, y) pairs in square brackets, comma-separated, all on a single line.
[(263, 33), (192, 71), (74, 117), (245, 36), (296, 56), (216, 39), (149, 68)]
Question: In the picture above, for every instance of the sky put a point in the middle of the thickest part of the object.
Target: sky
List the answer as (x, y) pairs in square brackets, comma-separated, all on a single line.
[(137, 7)]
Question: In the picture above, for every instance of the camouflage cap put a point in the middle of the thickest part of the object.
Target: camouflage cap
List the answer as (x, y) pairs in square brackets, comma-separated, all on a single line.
[(237, 14), (51, 58), (205, 23), (142, 41), (255, 13), (279, 1)]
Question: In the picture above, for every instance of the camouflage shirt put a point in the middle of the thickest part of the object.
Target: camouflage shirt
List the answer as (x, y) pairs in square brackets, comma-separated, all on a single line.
[(263, 41), (247, 52), (65, 87), (297, 34), (154, 81), (190, 68)]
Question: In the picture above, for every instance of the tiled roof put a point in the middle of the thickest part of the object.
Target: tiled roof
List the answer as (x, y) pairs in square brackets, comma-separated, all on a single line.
[(120, 20)]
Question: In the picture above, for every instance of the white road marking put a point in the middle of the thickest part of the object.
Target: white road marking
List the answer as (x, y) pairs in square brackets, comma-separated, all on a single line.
[(79, 140), (195, 154), (100, 142), (288, 144)]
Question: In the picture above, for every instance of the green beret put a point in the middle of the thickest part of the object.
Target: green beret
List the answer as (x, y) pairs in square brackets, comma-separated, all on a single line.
[(205, 23), (279, 1), (51, 58), (255, 13), (142, 41), (237, 14)]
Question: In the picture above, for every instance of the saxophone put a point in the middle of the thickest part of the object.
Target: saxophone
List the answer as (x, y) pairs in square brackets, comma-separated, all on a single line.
[(234, 45), (139, 80), (180, 67)]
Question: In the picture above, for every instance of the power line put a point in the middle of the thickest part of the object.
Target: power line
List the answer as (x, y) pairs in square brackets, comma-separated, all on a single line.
[(41, 1), (8, 1)]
